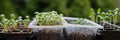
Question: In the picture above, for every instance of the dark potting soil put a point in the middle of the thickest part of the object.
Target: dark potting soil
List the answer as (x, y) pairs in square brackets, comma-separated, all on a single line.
[(1, 35), (16, 34), (79, 36), (47, 34), (110, 35), (99, 37)]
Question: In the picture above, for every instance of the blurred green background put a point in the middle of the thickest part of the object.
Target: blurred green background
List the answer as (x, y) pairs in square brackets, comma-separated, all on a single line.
[(72, 8)]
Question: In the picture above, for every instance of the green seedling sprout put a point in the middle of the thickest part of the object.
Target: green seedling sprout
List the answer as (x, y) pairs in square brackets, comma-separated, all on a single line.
[(80, 21), (12, 21), (98, 14), (60, 16), (115, 15), (37, 15), (103, 17), (3, 18), (5, 22), (12, 17), (15, 24), (49, 18), (27, 21), (92, 14), (110, 16), (20, 20)]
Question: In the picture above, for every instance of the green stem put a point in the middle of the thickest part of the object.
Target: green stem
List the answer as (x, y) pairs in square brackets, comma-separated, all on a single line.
[(93, 18), (103, 23), (97, 19), (5, 27), (110, 21), (115, 19)]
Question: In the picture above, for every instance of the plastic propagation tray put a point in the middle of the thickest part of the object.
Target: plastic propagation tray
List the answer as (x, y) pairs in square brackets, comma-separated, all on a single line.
[(87, 24), (35, 27), (47, 32), (85, 31)]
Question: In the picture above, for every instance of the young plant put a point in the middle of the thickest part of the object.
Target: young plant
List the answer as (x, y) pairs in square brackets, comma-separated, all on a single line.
[(98, 14), (5, 22), (6, 25), (80, 21), (20, 20), (115, 15), (110, 16), (27, 21), (103, 17), (39, 17), (3, 17), (49, 18), (13, 21), (15, 24), (92, 14)]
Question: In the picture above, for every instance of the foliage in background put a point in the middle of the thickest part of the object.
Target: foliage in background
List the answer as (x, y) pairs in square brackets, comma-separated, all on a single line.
[(74, 8)]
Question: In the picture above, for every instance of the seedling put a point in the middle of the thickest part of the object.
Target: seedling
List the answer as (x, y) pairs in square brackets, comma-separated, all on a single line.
[(13, 21), (27, 21), (6, 25), (110, 16), (98, 14), (80, 21), (20, 20), (92, 15), (49, 18), (3, 18), (5, 22), (103, 17), (115, 15)]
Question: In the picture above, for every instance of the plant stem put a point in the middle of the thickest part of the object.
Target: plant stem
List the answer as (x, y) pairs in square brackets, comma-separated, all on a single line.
[(115, 19), (96, 19), (103, 22), (93, 18), (110, 21)]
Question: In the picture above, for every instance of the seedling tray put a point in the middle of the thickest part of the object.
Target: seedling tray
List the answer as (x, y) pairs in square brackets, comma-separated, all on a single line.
[(18, 35)]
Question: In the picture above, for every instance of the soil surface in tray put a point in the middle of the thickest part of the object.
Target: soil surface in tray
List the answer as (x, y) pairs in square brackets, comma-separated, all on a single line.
[(47, 34)]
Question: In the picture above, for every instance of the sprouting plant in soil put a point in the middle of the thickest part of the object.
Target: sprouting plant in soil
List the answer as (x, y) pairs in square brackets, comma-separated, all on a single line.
[(80, 21), (13, 22), (115, 15), (103, 17), (20, 20), (49, 18), (110, 16), (26, 21), (98, 15), (92, 14), (5, 22)]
